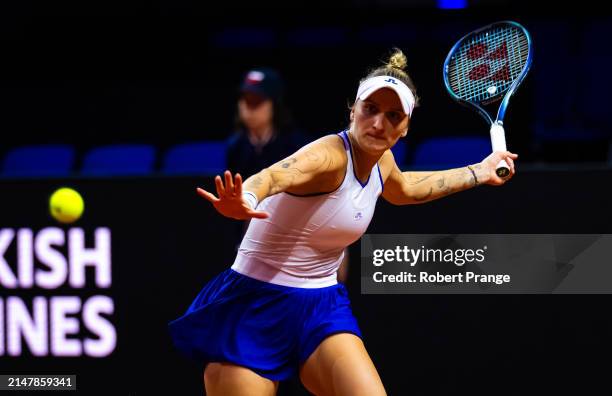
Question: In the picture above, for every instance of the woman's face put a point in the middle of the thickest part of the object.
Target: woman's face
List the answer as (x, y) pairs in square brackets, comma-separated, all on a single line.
[(379, 121), (255, 111)]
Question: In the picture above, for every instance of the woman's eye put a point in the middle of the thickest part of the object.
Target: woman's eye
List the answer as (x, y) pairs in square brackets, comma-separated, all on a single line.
[(394, 116), (370, 108)]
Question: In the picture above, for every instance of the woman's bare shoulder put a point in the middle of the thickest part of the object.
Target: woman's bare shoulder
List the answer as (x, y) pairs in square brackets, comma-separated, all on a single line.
[(330, 147)]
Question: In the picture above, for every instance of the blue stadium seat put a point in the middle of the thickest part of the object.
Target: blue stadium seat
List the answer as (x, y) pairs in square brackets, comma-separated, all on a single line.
[(206, 158), (450, 152), (39, 160), (119, 160)]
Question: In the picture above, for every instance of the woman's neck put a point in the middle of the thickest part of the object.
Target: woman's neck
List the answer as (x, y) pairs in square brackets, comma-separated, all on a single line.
[(362, 161)]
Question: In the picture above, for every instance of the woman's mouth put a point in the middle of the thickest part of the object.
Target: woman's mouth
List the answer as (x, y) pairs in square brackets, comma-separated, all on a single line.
[(374, 136)]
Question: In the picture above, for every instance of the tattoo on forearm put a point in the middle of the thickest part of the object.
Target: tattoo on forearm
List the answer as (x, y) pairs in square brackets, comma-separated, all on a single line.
[(424, 197), (421, 179), (422, 188), (461, 182), (444, 186)]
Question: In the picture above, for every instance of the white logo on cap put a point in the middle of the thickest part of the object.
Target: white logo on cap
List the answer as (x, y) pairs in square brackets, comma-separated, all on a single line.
[(375, 83)]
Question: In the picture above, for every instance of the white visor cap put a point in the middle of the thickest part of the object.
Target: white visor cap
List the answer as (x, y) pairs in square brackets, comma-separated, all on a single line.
[(371, 85)]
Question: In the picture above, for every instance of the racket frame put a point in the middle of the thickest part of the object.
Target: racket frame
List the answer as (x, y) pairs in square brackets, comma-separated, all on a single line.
[(497, 131)]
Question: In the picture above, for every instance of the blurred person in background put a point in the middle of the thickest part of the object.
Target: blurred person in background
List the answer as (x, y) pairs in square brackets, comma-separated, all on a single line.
[(265, 132)]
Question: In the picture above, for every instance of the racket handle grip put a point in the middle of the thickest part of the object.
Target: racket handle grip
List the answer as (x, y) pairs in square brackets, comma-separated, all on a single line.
[(498, 142)]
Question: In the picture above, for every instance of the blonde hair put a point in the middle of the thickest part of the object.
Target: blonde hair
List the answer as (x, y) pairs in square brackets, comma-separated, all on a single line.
[(398, 60), (395, 67)]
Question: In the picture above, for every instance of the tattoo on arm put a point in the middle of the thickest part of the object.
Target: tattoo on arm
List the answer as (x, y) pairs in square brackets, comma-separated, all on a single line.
[(288, 162), (444, 186), (424, 197), (281, 180), (256, 182), (445, 183), (314, 157), (421, 179), (290, 172)]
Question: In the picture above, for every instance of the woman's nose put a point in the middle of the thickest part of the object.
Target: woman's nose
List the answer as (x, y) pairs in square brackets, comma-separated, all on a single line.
[(379, 120)]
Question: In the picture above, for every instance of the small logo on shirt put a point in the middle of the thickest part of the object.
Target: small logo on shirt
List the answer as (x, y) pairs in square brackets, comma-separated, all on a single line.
[(358, 216)]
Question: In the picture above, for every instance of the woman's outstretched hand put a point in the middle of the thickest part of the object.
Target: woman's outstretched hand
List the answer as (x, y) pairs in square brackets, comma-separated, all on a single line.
[(229, 201), (485, 171)]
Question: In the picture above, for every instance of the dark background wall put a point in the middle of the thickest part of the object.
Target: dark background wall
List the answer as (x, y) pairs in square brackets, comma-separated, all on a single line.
[(167, 72)]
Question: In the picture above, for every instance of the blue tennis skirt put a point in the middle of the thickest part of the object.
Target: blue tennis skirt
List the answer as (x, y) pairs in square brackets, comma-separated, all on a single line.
[(270, 329)]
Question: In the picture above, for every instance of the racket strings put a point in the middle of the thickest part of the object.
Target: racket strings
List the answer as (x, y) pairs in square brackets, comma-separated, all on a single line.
[(488, 63)]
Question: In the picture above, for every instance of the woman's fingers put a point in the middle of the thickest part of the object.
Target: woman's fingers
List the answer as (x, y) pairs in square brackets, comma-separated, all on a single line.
[(226, 202), (511, 163), (229, 189), (229, 184), (220, 187), (238, 184), (510, 157), (207, 195), (257, 214)]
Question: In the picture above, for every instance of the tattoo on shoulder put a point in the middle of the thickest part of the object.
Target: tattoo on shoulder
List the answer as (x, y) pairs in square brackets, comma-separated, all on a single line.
[(290, 170), (312, 156)]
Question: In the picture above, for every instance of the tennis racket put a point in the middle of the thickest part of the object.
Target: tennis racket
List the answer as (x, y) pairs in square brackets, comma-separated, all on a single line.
[(487, 66)]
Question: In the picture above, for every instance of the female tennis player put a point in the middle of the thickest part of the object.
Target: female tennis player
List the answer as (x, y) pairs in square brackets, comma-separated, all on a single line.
[(279, 310)]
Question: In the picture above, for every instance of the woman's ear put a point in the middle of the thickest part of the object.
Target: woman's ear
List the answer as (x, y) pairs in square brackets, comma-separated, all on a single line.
[(405, 132), (352, 113)]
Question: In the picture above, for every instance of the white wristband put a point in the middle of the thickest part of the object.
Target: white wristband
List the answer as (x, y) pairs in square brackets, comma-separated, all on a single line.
[(250, 198)]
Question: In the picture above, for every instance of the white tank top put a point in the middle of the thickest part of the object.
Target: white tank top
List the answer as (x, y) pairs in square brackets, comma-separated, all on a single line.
[(302, 243)]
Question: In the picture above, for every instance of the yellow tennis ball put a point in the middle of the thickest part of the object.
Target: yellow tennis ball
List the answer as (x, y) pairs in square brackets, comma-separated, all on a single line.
[(66, 205)]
